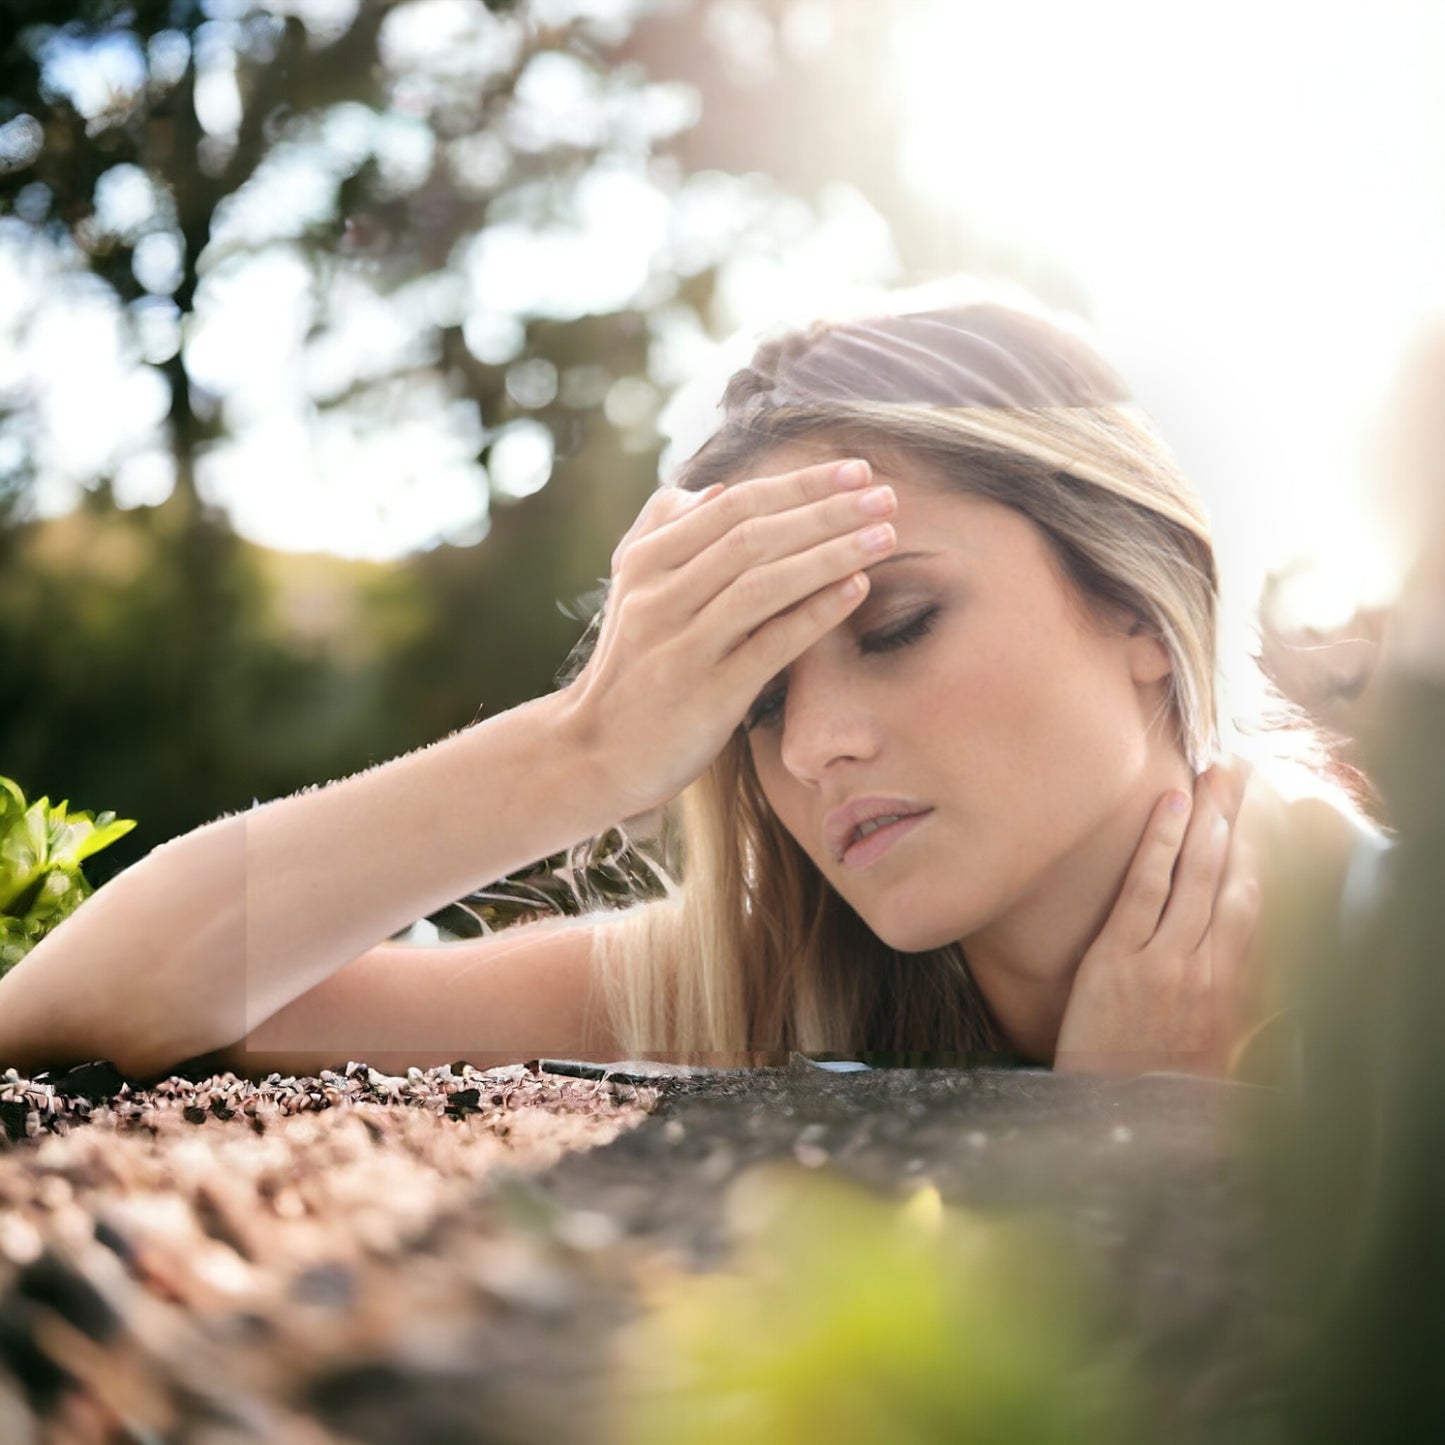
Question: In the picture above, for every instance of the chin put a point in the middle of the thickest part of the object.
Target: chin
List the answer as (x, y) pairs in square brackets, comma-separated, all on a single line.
[(912, 934)]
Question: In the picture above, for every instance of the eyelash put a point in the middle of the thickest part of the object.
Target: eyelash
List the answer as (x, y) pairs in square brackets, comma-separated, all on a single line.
[(766, 710)]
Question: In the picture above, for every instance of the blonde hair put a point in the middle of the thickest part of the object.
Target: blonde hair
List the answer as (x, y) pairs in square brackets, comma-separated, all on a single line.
[(756, 955)]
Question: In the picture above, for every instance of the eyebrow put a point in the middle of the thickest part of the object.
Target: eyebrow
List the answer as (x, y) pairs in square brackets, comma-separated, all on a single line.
[(914, 556), (902, 557)]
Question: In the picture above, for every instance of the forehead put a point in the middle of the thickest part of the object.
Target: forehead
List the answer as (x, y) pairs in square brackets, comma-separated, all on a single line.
[(930, 503), (990, 542)]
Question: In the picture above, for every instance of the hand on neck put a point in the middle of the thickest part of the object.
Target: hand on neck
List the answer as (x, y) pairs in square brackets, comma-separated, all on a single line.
[(1025, 962)]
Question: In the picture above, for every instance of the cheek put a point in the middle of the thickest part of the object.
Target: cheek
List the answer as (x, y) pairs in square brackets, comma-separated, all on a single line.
[(779, 788)]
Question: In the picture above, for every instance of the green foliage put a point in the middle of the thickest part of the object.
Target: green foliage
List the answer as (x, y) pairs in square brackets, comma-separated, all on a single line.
[(225, 680), (851, 1319), (41, 850), (1356, 1171)]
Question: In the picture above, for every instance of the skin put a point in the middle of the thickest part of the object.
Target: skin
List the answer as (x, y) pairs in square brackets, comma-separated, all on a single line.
[(1098, 919), (975, 682)]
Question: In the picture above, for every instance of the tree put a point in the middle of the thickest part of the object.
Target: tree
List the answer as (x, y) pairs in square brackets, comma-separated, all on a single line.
[(391, 159)]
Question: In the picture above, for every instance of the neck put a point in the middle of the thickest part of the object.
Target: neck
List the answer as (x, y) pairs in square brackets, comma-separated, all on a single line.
[(1024, 962)]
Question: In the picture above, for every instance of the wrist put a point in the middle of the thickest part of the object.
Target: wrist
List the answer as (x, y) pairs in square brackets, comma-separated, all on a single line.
[(588, 769)]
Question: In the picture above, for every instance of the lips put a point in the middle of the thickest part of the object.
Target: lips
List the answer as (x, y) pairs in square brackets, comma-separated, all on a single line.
[(861, 817)]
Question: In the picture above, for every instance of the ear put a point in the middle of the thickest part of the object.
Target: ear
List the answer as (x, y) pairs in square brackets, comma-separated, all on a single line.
[(1148, 657)]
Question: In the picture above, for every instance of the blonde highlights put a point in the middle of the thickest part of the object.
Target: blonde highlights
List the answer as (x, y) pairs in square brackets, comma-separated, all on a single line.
[(757, 955)]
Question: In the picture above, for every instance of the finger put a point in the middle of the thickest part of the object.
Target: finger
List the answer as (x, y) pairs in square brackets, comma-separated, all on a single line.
[(1201, 862), (773, 645), (673, 545), (665, 505), (759, 542), (752, 599), (1145, 890)]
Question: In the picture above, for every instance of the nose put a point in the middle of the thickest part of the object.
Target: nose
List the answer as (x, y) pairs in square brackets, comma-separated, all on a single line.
[(827, 722)]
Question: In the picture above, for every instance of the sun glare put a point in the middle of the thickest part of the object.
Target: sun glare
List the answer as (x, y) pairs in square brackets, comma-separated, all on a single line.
[(1250, 197), (1247, 195)]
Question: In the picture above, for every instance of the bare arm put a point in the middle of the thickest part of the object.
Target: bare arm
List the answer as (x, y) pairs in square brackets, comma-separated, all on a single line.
[(214, 932), (527, 993), (217, 931)]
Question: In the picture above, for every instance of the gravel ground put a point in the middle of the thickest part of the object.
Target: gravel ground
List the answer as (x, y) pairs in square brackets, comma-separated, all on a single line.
[(350, 1257), (447, 1257)]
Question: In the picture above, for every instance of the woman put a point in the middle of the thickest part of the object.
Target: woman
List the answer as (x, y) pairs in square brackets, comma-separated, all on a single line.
[(924, 638)]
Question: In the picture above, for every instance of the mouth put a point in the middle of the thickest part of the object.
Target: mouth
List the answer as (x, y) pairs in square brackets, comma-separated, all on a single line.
[(861, 832)]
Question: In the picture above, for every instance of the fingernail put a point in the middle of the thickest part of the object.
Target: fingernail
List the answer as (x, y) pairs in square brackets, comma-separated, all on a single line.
[(1178, 802), (878, 501), (851, 474), (876, 539)]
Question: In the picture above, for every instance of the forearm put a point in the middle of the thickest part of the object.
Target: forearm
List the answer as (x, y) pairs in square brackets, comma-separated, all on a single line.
[(215, 931)]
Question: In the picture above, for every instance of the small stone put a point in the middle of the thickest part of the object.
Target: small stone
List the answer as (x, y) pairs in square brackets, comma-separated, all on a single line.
[(810, 1156), (333, 1286), (463, 1102), (20, 1241), (587, 1231)]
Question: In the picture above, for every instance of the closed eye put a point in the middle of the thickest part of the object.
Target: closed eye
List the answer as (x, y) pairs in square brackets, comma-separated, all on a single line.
[(887, 639), (769, 706)]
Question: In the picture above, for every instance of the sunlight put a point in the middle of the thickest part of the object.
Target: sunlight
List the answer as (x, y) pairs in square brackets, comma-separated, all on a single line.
[(1250, 197)]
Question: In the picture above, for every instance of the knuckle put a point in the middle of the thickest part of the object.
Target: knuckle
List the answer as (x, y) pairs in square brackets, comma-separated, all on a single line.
[(667, 500), (1148, 890), (629, 613), (741, 543), (621, 610), (736, 504), (754, 589), (636, 555)]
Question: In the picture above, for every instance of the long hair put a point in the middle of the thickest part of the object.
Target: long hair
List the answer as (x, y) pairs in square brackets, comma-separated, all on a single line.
[(756, 955)]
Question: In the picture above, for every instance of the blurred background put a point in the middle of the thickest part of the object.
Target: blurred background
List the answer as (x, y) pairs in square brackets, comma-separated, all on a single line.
[(339, 342), (341, 339)]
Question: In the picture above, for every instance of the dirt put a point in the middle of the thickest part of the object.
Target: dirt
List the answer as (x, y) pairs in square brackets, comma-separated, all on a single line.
[(447, 1256), (296, 1259)]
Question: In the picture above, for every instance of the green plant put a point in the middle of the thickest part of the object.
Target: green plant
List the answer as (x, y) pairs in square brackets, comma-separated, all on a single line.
[(847, 1317), (41, 850)]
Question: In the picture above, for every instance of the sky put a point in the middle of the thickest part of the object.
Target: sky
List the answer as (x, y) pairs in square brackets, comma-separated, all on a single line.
[(1250, 196)]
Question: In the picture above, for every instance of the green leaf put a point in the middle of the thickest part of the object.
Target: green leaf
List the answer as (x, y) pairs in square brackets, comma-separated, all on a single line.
[(76, 840), (41, 850), (848, 1317)]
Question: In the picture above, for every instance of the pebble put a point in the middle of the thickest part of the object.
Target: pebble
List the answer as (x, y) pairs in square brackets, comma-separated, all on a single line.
[(253, 1235)]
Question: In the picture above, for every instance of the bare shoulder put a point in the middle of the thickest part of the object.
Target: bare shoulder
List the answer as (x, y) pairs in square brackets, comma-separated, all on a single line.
[(1302, 845), (1307, 834), (532, 991)]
